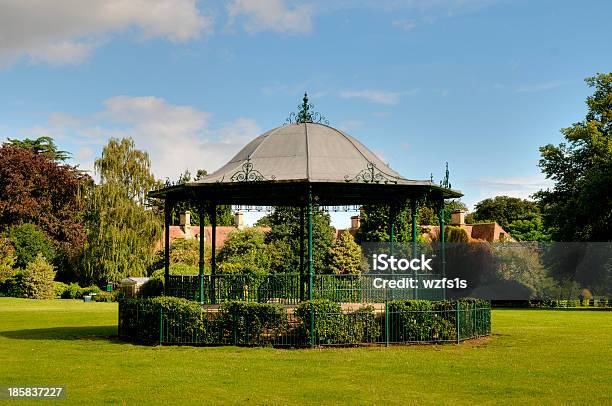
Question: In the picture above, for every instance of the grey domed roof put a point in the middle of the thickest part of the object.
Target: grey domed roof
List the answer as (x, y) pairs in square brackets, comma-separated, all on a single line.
[(286, 164), (306, 152)]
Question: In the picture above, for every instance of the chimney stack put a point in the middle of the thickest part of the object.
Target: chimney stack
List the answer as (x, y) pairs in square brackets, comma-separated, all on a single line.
[(185, 219), (458, 217), (185, 223), (239, 220), (355, 222)]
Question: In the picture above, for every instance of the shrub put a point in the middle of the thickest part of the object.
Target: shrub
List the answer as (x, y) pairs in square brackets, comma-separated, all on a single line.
[(247, 248), (329, 322), (425, 321), (29, 241), (107, 296), (183, 269), (12, 286), (155, 286), (363, 326), (71, 291), (473, 261), (185, 251), (37, 279), (417, 321), (456, 234), (88, 291), (251, 323), (7, 259), (345, 255), (239, 281), (602, 302), (60, 288), (139, 319), (178, 268), (333, 327), (520, 263)]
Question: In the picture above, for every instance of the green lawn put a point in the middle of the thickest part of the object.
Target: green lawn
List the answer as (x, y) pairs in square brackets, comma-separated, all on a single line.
[(534, 356)]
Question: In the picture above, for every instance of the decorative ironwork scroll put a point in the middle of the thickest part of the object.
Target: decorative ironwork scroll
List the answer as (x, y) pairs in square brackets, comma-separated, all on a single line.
[(343, 208), (270, 209), (248, 174), (370, 175), (252, 208), (306, 115)]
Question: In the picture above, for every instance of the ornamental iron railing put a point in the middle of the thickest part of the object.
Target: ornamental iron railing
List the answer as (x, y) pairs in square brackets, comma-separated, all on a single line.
[(291, 288), (397, 322)]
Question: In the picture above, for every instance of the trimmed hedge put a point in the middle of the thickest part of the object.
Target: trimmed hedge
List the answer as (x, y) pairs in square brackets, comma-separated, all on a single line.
[(334, 327), (184, 321), (420, 321), (250, 323), (570, 303), (139, 319), (71, 291), (436, 321)]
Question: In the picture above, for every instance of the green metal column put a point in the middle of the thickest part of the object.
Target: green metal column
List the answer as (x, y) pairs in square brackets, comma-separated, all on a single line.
[(386, 323), (161, 325), (310, 267), (302, 279), (167, 214), (213, 260), (413, 217), (201, 257), (457, 322), (442, 243), (392, 214)]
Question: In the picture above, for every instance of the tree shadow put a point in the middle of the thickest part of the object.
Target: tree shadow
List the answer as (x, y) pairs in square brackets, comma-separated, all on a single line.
[(89, 333)]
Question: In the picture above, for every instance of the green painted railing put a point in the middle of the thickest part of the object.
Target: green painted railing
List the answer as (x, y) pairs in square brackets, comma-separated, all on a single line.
[(281, 288), (395, 323), (285, 288)]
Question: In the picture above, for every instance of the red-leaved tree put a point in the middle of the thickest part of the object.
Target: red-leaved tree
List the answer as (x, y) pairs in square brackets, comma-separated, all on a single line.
[(36, 189)]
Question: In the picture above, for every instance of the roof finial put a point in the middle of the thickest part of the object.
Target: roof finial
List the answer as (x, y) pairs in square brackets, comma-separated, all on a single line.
[(305, 114), (446, 183)]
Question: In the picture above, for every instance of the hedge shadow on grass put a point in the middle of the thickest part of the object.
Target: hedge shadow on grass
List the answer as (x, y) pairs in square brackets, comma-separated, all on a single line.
[(93, 333)]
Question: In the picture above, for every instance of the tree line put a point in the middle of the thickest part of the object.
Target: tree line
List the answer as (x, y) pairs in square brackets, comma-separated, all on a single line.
[(98, 231)]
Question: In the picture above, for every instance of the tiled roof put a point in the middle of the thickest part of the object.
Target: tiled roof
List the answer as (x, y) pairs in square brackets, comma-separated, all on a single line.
[(481, 231), (194, 232)]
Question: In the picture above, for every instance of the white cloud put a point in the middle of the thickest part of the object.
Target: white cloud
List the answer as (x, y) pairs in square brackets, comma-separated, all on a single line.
[(67, 31), (176, 137), (520, 186), (350, 125), (62, 53), (375, 96), (382, 114), (538, 87), (405, 24), (271, 15), (447, 7)]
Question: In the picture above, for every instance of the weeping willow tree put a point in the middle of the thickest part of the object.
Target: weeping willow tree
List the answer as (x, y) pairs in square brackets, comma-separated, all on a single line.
[(121, 229)]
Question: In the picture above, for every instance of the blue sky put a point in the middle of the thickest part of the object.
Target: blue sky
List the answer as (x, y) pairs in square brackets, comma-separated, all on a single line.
[(480, 84)]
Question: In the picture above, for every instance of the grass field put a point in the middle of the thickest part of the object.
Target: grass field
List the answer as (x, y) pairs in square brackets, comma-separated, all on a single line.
[(534, 356)]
